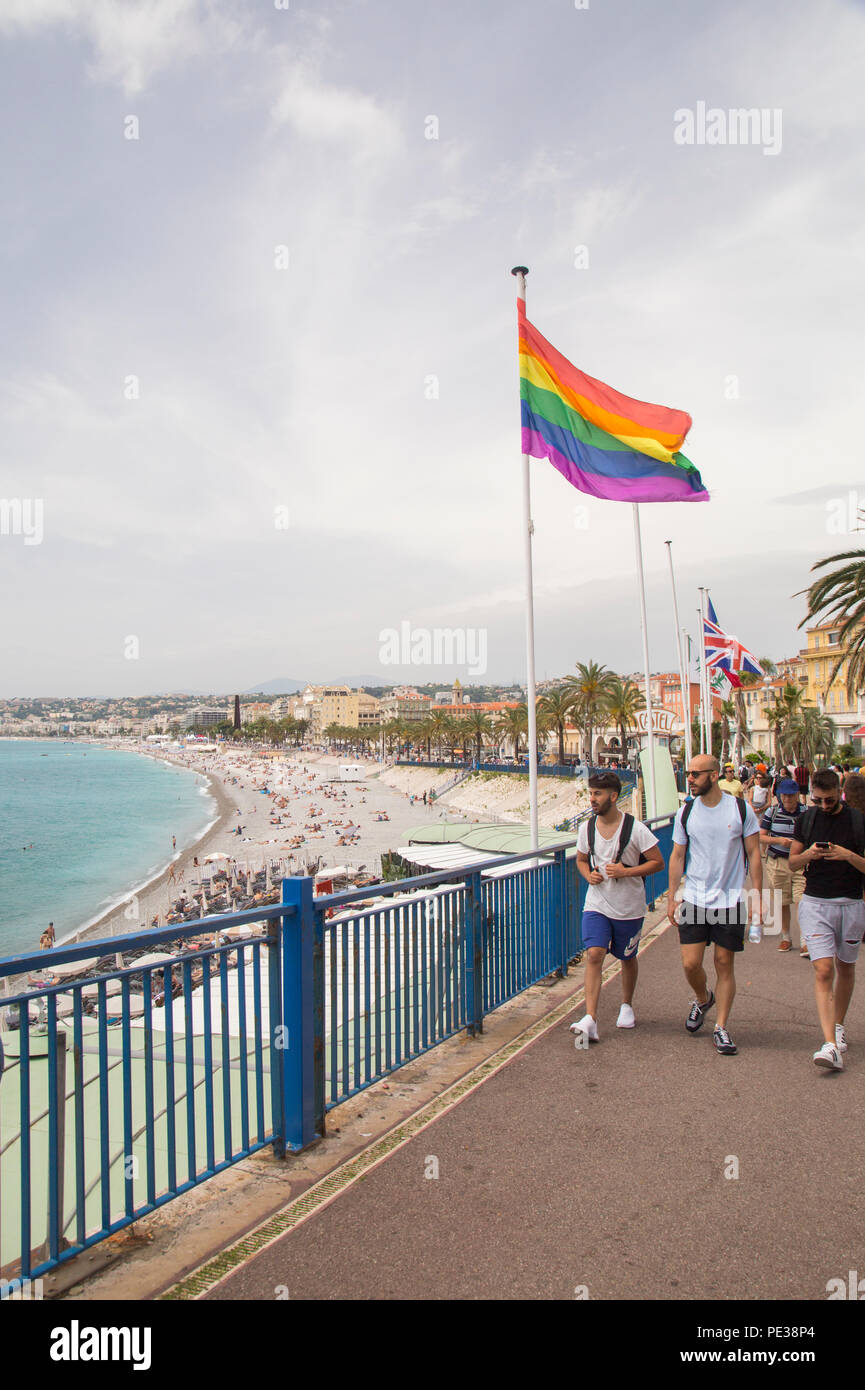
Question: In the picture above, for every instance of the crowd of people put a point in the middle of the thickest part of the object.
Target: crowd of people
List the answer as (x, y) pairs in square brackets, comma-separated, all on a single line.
[(728, 828)]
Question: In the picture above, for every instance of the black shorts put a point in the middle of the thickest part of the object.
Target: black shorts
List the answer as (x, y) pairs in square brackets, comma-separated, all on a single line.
[(720, 926)]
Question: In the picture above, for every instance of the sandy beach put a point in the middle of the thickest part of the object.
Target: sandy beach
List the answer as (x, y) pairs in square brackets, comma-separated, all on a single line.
[(306, 817)]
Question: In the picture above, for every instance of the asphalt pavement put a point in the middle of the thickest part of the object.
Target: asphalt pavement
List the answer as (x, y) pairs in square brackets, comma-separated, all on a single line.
[(648, 1166)]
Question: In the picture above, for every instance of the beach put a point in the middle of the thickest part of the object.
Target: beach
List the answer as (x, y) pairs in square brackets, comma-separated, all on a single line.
[(306, 782)]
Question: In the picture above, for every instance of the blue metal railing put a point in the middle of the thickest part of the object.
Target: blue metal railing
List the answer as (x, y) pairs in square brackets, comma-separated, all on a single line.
[(139, 1120), (190, 1064)]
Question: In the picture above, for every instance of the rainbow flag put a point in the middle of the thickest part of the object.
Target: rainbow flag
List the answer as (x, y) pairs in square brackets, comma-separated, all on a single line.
[(604, 443)]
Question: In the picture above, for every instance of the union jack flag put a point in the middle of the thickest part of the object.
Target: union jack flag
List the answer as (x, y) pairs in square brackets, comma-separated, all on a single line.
[(725, 653)]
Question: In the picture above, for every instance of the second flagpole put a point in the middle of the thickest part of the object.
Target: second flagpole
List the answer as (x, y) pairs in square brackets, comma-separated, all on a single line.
[(520, 272), (651, 793)]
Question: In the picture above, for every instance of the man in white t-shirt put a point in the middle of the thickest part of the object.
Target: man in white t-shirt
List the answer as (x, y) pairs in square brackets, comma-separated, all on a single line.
[(716, 839), (610, 847)]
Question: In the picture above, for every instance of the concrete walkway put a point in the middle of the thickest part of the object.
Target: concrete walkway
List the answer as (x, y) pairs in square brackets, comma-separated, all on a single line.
[(604, 1171)]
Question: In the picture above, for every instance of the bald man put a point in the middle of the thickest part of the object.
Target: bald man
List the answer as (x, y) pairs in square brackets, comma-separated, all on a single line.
[(708, 839)]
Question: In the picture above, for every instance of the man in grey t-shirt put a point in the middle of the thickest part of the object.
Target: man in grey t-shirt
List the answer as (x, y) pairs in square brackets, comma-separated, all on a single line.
[(708, 840)]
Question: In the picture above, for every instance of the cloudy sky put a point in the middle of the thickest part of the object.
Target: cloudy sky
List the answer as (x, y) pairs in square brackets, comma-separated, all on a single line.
[(259, 396)]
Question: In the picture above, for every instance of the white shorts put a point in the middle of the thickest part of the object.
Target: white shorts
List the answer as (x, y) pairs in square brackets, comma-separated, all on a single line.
[(832, 927)]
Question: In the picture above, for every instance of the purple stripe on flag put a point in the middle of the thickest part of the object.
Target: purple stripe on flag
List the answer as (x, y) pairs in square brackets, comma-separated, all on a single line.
[(636, 488)]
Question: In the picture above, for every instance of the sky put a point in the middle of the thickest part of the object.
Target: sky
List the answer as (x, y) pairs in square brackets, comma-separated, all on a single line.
[(259, 402)]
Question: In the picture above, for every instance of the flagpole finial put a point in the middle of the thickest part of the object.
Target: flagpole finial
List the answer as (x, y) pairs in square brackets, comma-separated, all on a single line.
[(520, 270)]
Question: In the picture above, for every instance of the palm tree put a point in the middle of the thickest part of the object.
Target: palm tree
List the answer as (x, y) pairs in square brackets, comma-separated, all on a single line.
[(728, 712), (478, 726), (545, 723), (813, 734), (438, 728), (777, 720), (512, 724), (557, 705), (840, 597), (622, 705), (591, 687), (748, 680)]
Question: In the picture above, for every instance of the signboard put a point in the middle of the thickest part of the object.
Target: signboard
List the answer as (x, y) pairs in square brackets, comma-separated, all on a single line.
[(664, 721), (667, 796)]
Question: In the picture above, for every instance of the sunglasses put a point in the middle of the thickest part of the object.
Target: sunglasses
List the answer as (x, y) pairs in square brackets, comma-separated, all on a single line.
[(825, 800)]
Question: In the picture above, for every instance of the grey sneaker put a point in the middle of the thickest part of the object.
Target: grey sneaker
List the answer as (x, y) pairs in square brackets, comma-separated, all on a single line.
[(697, 1016), (723, 1042)]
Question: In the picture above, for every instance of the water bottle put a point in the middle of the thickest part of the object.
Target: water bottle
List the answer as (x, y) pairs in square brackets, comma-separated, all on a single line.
[(755, 935)]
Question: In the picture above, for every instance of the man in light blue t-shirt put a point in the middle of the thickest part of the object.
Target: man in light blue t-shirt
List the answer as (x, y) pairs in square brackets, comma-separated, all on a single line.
[(716, 839)]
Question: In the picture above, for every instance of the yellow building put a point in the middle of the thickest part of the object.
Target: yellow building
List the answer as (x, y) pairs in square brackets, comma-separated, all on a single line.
[(339, 704), (828, 692)]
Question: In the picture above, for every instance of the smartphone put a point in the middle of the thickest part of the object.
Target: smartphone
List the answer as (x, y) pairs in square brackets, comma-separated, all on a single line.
[(822, 844)]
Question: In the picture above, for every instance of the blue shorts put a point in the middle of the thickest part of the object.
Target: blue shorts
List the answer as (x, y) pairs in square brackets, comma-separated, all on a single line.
[(621, 939)]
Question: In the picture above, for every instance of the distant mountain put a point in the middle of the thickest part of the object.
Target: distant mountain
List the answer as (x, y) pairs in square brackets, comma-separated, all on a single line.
[(282, 685), (285, 686)]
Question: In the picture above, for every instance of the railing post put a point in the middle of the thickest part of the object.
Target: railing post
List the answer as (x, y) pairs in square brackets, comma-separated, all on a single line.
[(302, 1036), (474, 1006), (560, 899)]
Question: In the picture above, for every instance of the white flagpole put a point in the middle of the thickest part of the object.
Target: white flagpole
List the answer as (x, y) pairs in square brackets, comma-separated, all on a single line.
[(702, 653), (521, 271), (685, 687), (707, 688), (651, 797), (686, 645)]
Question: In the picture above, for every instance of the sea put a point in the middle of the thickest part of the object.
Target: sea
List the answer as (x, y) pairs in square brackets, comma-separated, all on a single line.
[(81, 828)]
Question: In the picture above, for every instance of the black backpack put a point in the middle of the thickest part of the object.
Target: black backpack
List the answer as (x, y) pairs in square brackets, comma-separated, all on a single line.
[(688, 808), (624, 839), (805, 828)]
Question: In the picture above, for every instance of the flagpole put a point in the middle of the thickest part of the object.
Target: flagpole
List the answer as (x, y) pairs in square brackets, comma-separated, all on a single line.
[(520, 272), (651, 798), (686, 641), (707, 689), (700, 660), (682, 672)]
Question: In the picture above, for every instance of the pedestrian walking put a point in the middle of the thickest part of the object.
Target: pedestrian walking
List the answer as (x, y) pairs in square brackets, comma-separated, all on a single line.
[(730, 783), (615, 853), (830, 846), (777, 831), (759, 794), (716, 838)]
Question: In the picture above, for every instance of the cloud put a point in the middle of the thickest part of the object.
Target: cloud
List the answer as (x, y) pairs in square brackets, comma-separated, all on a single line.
[(322, 113), (134, 40)]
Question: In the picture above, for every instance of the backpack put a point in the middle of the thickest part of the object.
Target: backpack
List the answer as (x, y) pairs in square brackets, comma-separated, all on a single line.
[(688, 808), (806, 827), (624, 839)]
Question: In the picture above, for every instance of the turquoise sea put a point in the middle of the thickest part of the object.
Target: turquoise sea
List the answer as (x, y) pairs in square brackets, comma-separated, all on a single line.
[(80, 827)]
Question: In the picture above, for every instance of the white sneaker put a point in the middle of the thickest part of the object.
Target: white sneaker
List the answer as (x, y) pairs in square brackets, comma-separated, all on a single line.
[(588, 1026), (840, 1037), (626, 1017), (829, 1057)]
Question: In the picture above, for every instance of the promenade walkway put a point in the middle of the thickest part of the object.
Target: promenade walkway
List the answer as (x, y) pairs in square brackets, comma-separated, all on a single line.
[(605, 1171)]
